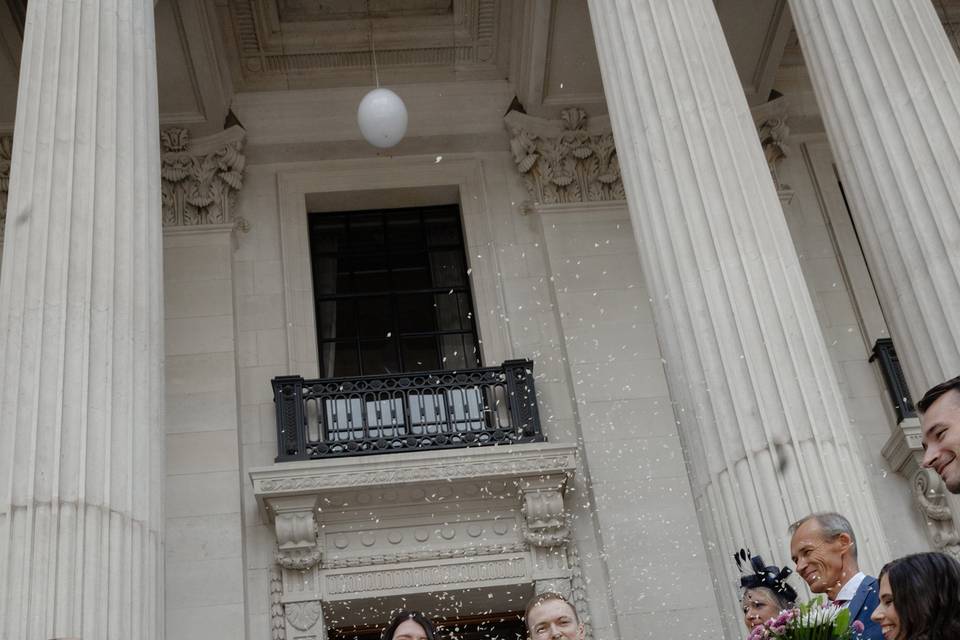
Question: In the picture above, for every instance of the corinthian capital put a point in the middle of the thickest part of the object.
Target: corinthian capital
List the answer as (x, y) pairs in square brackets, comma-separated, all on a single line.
[(565, 160), (201, 178)]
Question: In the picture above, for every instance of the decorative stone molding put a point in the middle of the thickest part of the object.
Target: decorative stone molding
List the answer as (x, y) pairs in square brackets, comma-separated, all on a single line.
[(200, 178), (278, 627), (6, 155), (303, 615), (545, 519), (291, 478), (297, 544), (929, 495), (382, 527), (425, 555), (329, 41), (442, 575), (578, 591), (904, 451), (772, 128), (565, 160)]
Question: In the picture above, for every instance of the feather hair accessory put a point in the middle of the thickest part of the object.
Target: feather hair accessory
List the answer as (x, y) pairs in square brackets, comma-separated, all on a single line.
[(757, 574)]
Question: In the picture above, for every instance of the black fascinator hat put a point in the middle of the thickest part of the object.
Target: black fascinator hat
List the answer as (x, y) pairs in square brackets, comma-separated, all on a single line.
[(756, 574)]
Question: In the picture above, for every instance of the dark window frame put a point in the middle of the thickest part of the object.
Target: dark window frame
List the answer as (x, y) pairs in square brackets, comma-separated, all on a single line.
[(397, 258)]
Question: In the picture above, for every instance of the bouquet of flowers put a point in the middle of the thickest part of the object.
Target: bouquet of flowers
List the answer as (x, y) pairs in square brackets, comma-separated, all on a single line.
[(814, 620)]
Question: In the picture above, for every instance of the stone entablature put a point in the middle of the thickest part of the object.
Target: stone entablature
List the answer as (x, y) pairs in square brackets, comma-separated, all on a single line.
[(389, 525), (200, 178)]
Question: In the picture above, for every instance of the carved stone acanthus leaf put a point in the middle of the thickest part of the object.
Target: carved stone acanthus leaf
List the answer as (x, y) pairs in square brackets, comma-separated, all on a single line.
[(771, 121), (6, 157), (929, 497), (200, 178), (303, 615), (278, 630), (571, 164), (578, 591), (298, 559)]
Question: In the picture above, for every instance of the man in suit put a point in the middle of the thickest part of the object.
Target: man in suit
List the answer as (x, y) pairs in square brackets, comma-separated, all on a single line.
[(940, 423), (824, 548)]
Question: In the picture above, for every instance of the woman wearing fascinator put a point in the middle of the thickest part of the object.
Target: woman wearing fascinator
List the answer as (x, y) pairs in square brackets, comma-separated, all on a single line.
[(765, 589)]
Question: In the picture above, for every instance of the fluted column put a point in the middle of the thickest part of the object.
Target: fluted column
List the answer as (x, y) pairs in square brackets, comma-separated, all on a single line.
[(81, 448), (888, 85), (764, 428)]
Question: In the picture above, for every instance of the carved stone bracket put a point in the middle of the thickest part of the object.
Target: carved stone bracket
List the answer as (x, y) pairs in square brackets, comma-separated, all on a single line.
[(298, 547), (903, 451), (564, 160), (545, 519), (201, 178)]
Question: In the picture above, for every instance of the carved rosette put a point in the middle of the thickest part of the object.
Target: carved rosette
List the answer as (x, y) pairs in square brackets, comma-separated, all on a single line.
[(201, 178), (6, 155), (562, 161), (303, 615)]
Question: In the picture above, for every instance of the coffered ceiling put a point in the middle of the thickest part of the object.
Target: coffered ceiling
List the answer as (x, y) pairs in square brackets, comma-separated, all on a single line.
[(209, 50)]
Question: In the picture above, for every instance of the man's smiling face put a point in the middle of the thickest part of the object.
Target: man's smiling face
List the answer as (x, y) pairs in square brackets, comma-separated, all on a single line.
[(941, 438)]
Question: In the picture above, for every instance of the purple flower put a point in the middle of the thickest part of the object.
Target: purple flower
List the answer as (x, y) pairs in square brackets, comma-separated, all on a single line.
[(857, 626)]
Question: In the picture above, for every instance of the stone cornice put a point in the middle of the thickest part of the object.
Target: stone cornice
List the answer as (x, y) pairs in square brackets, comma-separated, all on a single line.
[(200, 178), (313, 477)]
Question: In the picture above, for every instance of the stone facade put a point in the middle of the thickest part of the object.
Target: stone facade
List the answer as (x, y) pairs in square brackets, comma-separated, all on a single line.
[(568, 231)]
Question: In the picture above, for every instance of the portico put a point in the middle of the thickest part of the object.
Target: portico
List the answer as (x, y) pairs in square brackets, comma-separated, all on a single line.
[(692, 298)]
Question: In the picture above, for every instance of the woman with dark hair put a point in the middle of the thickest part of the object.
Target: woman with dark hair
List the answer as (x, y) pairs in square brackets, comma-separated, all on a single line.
[(765, 589), (409, 625), (920, 598)]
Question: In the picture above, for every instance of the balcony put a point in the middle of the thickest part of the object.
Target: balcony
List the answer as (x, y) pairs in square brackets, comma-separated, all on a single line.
[(337, 417)]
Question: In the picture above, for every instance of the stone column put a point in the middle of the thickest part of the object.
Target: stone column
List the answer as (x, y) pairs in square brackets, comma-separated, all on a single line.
[(888, 85), (763, 425), (81, 376)]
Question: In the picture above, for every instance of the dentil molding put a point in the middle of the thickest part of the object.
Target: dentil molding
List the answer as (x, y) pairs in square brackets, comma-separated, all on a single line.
[(201, 178)]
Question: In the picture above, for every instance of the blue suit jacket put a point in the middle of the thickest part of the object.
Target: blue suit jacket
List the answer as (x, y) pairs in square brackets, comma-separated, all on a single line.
[(864, 601)]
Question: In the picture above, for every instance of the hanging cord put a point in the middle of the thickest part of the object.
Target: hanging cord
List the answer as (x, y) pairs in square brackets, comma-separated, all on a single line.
[(373, 46)]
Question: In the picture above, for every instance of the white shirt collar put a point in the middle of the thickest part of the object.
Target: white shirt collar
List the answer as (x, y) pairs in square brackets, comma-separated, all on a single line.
[(850, 589)]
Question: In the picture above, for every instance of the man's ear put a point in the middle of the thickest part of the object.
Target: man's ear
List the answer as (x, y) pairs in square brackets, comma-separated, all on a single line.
[(581, 633), (845, 540)]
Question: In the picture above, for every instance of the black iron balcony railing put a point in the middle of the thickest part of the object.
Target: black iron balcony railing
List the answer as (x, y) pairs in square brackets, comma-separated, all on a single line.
[(337, 417), (886, 357)]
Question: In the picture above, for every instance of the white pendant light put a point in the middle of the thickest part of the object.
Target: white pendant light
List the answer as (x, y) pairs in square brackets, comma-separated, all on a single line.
[(382, 117)]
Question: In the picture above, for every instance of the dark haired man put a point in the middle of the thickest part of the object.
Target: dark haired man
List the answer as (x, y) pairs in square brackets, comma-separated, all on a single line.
[(940, 422), (550, 616)]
